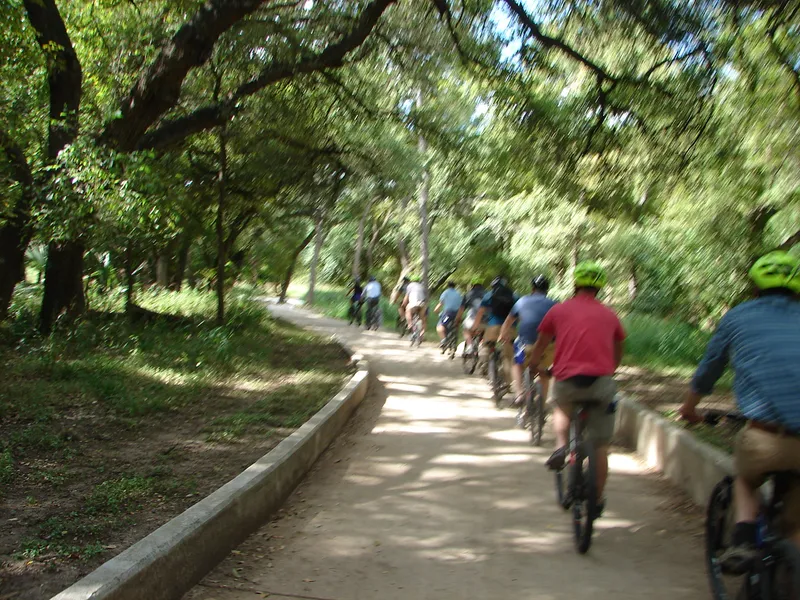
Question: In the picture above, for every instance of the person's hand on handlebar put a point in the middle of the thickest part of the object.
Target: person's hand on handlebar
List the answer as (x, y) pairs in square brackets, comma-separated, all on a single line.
[(688, 410)]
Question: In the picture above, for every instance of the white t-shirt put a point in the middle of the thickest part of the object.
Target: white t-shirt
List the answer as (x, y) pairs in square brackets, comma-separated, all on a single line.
[(373, 289), (416, 294)]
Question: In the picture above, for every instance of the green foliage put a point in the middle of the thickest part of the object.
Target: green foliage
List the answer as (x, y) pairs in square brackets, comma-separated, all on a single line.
[(658, 342)]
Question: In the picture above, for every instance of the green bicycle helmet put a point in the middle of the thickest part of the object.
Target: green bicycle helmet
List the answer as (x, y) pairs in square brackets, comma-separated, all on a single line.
[(776, 269), (589, 274)]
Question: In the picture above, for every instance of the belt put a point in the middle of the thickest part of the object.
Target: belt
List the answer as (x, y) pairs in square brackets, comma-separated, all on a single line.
[(773, 428)]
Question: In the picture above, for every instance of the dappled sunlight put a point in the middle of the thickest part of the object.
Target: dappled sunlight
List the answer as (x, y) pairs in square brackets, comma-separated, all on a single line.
[(625, 463), (442, 488)]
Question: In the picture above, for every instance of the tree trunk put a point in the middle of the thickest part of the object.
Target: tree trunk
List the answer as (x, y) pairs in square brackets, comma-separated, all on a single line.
[(373, 241), (14, 239), (63, 283), (15, 233), (221, 245), (130, 278), (424, 230), (176, 279), (402, 252), (63, 289), (290, 270), (319, 237), (360, 240), (162, 271)]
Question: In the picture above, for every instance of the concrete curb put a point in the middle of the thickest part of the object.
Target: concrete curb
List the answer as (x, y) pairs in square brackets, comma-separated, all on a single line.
[(691, 464), (168, 562)]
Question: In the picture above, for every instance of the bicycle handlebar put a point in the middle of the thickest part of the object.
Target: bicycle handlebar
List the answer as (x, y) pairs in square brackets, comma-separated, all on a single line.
[(713, 416)]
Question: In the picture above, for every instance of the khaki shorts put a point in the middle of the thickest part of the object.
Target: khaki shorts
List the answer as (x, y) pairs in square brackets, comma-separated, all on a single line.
[(491, 333), (759, 453), (600, 427), (547, 357)]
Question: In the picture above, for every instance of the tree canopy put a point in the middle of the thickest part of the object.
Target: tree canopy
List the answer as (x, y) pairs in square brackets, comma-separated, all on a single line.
[(200, 142)]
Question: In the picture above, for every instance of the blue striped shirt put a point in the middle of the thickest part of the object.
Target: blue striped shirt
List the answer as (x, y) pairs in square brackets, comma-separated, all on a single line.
[(761, 339)]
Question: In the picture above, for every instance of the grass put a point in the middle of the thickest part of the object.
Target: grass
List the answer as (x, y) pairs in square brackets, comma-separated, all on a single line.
[(663, 343), (76, 404)]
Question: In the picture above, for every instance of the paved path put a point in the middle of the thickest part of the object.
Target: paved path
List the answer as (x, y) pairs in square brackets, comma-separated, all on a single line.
[(432, 493)]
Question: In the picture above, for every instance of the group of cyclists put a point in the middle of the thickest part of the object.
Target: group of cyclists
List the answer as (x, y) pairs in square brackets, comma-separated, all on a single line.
[(579, 343)]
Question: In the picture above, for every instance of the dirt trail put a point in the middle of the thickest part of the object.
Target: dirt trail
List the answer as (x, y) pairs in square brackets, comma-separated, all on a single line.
[(432, 493)]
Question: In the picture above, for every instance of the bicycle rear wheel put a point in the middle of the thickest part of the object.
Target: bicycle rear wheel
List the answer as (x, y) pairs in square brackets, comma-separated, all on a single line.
[(537, 414), (541, 415), (719, 528), (784, 578), (561, 490), (494, 379), (470, 359), (583, 482), (524, 412)]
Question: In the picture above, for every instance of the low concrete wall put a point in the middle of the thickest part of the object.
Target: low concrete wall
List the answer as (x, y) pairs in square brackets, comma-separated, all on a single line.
[(168, 562), (691, 464)]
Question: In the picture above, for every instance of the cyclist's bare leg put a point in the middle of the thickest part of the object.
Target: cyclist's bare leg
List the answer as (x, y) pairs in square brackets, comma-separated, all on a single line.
[(516, 374), (441, 331), (746, 500), (544, 381), (561, 426)]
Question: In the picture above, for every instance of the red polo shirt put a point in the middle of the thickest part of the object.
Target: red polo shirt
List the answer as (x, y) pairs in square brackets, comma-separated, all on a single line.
[(585, 331)]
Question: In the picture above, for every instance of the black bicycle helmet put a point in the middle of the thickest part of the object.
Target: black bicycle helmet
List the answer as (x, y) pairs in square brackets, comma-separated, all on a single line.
[(498, 281), (540, 282)]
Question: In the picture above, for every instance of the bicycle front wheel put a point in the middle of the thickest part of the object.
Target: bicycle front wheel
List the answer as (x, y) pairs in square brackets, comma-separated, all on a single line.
[(583, 476), (494, 380), (719, 528), (540, 415)]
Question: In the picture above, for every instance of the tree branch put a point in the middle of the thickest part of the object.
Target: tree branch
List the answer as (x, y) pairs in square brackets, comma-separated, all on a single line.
[(159, 87), (552, 42), (64, 74), (331, 57)]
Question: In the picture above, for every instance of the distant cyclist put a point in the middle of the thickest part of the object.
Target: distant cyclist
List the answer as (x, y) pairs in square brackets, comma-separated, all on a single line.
[(589, 342), (495, 307), (372, 292), (397, 298), (469, 310), (449, 304), (528, 312), (356, 293), (414, 301), (760, 338)]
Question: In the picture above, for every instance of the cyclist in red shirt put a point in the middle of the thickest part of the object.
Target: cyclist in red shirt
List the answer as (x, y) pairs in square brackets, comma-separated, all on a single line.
[(589, 341)]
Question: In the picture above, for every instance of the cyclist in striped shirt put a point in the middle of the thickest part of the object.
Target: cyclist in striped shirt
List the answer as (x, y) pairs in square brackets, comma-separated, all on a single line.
[(761, 340)]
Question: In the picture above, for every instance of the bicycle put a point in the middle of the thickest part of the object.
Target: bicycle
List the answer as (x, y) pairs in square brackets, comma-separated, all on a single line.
[(776, 573), (532, 414), (417, 330), (469, 360), (354, 313), (402, 325), (373, 315), (579, 491), (451, 338), (495, 373)]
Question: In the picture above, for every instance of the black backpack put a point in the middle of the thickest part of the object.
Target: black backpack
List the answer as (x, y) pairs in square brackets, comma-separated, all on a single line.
[(502, 301)]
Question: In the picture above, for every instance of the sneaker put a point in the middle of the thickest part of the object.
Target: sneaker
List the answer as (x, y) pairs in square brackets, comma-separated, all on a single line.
[(557, 459), (738, 560), (600, 508), (518, 400)]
